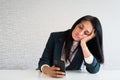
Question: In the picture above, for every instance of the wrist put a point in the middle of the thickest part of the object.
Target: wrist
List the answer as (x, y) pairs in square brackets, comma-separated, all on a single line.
[(46, 69), (83, 43), (85, 50)]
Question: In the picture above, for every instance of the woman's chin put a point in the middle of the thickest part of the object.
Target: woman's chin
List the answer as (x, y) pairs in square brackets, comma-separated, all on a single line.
[(75, 39)]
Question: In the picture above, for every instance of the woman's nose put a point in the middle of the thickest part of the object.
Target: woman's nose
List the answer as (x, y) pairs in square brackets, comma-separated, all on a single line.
[(81, 33)]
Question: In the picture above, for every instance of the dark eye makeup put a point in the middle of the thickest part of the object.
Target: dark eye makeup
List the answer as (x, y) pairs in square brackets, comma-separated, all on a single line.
[(81, 26), (86, 33)]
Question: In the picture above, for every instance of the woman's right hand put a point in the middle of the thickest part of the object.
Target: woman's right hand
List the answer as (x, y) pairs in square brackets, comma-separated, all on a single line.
[(53, 71)]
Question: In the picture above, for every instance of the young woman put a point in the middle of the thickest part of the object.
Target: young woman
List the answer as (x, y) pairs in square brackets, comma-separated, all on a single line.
[(82, 44)]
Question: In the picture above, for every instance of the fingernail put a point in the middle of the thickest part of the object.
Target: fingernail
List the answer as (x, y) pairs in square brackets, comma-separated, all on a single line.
[(58, 68)]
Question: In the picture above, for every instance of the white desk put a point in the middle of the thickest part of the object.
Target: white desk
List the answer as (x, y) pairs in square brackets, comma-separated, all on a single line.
[(70, 75)]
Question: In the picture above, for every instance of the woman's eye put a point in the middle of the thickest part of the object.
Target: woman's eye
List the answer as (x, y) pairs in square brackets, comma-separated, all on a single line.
[(86, 33), (81, 27)]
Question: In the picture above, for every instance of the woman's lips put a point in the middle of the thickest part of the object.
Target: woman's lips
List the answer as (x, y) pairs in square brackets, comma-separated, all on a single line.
[(76, 36)]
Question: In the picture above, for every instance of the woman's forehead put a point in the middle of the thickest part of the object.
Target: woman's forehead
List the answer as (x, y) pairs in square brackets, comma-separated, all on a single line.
[(86, 24)]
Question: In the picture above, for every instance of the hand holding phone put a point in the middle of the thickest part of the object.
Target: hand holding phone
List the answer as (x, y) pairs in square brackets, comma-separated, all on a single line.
[(60, 64)]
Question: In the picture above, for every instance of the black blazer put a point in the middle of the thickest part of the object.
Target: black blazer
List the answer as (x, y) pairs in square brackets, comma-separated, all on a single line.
[(53, 52)]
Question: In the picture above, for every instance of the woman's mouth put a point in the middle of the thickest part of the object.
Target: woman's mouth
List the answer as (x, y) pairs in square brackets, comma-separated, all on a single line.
[(76, 36)]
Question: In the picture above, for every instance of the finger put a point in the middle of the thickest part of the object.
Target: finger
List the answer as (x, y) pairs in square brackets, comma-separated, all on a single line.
[(93, 33), (59, 76), (55, 68), (60, 72)]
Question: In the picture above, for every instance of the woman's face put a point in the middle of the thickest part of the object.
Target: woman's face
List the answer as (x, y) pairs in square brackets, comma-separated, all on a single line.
[(82, 30)]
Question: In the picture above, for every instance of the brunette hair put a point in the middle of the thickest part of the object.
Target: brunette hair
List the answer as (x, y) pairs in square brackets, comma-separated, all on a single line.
[(95, 45)]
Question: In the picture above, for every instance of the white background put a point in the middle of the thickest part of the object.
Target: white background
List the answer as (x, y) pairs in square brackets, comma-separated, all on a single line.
[(25, 26)]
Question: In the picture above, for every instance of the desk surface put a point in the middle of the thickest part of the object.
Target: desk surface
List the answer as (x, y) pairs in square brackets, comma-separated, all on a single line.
[(70, 75)]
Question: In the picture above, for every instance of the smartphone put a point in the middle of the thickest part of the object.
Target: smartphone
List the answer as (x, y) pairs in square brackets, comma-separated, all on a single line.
[(60, 64)]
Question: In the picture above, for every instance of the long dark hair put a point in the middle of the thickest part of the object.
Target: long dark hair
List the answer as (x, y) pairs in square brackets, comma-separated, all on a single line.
[(95, 45)]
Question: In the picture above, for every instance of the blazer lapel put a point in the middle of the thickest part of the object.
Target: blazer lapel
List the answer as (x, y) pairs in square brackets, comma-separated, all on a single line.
[(77, 61), (58, 49)]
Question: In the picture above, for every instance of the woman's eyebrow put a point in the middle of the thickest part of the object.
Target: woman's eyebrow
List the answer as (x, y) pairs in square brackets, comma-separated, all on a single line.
[(82, 25)]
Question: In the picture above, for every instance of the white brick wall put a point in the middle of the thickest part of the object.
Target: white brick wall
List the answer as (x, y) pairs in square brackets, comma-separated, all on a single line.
[(26, 24)]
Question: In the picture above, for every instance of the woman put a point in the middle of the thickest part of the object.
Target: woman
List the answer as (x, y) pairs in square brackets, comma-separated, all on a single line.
[(82, 44)]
